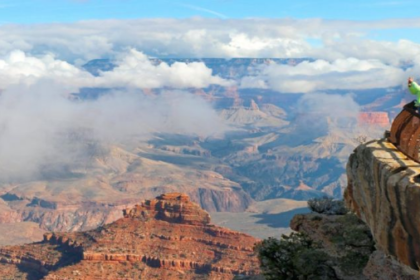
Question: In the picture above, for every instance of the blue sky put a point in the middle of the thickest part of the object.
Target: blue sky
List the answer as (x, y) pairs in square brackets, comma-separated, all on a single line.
[(44, 11), (233, 28)]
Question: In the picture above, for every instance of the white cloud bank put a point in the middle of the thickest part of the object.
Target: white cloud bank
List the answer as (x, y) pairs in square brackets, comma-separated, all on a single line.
[(134, 70), (198, 37), (345, 74), (41, 128), (346, 58)]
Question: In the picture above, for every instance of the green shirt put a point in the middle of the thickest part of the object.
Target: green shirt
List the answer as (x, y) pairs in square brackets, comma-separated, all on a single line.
[(415, 89)]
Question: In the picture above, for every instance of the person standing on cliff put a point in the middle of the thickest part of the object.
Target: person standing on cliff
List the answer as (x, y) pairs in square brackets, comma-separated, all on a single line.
[(415, 89)]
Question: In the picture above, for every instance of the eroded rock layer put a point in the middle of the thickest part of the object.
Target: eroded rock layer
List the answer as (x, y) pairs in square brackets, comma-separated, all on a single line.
[(64, 214), (173, 207), (169, 237), (384, 190), (374, 118)]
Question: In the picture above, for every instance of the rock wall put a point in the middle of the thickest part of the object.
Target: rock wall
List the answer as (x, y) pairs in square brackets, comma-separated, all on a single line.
[(374, 118), (156, 262), (384, 190)]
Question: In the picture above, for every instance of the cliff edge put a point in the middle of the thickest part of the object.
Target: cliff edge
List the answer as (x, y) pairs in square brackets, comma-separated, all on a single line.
[(384, 191)]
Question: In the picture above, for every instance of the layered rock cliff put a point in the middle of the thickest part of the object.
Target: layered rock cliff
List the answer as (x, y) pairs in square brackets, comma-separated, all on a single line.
[(169, 237), (374, 118), (384, 190)]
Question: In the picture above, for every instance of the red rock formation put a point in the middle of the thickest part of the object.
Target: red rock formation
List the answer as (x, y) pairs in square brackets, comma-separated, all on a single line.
[(75, 215), (374, 118), (173, 208), (169, 237)]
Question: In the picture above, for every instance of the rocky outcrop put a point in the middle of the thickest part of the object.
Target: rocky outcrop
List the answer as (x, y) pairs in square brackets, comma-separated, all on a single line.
[(344, 238), (169, 237), (348, 242), (383, 267), (374, 118), (173, 208), (384, 190)]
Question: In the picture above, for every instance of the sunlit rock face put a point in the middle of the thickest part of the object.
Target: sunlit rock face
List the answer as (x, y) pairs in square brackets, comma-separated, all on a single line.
[(173, 208), (384, 190), (374, 118)]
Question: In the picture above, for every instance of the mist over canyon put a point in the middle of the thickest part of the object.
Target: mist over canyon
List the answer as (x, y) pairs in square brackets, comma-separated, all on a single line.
[(82, 143)]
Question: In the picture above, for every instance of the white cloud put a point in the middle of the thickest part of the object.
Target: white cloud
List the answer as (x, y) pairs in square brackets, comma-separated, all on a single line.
[(319, 112), (18, 68), (198, 37), (350, 73), (157, 37), (134, 70), (393, 53), (202, 37), (41, 126), (41, 129)]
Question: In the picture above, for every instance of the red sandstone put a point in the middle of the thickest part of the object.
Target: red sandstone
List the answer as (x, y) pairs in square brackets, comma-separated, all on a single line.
[(169, 237), (374, 118)]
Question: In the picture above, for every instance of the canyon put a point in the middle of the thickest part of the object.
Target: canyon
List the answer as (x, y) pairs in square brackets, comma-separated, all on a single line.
[(273, 149)]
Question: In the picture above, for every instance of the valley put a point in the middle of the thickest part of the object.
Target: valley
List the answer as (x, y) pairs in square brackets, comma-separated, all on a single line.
[(274, 147)]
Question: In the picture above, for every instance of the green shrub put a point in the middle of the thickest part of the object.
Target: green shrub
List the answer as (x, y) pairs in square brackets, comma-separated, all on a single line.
[(299, 257), (293, 257), (327, 205), (355, 240), (353, 233), (353, 263)]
